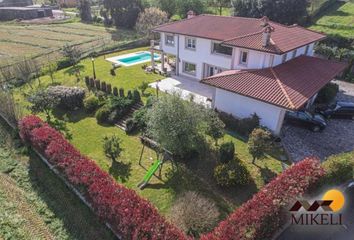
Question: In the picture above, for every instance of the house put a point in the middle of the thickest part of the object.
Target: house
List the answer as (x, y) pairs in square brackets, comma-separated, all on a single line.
[(253, 65), (29, 12)]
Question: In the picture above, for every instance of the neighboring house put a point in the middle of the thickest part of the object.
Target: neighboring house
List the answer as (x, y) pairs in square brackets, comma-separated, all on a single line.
[(15, 3), (256, 65)]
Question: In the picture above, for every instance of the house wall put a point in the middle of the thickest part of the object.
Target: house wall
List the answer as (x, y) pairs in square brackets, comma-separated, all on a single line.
[(242, 107)]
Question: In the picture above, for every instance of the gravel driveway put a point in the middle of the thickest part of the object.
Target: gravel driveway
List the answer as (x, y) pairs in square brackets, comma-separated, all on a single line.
[(338, 137)]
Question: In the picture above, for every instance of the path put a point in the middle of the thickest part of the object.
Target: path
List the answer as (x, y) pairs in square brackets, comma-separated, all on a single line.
[(33, 224)]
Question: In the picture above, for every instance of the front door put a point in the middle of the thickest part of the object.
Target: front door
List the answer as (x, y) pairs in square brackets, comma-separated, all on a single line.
[(212, 70)]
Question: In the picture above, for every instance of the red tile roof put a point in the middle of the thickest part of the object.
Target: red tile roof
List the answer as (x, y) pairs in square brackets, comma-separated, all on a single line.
[(243, 32), (289, 85)]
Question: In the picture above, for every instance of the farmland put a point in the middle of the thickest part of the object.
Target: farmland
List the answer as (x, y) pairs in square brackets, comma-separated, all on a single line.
[(18, 41)]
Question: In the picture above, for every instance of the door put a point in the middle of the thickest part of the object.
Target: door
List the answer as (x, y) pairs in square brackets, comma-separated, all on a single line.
[(212, 70)]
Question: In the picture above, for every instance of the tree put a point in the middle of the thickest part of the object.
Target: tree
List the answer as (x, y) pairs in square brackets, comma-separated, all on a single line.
[(85, 10), (50, 69), (282, 11), (144, 85), (123, 12), (150, 18), (42, 102), (259, 143), (72, 53), (183, 6), (6, 74), (175, 124), (215, 128), (24, 71), (219, 4), (111, 147), (167, 6)]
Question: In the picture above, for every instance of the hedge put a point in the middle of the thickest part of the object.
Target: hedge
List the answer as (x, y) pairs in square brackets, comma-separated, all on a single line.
[(262, 216), (128, 214)]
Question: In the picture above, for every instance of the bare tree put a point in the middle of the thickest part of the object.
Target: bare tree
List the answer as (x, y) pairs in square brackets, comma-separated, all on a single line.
[(24, 71), (50, 68), (6, 73)]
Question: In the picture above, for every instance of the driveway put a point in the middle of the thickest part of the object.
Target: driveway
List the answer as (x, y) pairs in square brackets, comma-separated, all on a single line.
[(187, 88), (336, 138)]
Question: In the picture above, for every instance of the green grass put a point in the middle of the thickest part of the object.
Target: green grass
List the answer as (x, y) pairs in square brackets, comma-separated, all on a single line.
[(338, 19), (35, 203), (196, 176)]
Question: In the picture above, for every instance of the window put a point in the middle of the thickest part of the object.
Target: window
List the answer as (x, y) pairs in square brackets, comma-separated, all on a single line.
[(307, 49), (189, 68), (284, 57), (243, 58), (294, 53), (191, 43), (170, 40), (218, 48), (271, 60)]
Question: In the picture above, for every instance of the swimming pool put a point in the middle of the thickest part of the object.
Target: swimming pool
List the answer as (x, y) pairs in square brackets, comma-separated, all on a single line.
[(133, 58)]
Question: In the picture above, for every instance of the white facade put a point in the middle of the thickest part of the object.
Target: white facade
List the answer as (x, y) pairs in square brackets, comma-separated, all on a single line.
[(202, 56), (239, 106)]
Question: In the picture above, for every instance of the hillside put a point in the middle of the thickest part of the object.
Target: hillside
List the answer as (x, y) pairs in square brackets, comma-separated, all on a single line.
[(338, 19)]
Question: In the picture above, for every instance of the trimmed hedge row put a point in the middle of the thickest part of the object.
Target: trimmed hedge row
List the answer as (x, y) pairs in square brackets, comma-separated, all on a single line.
[(128, 214), (262, 216)]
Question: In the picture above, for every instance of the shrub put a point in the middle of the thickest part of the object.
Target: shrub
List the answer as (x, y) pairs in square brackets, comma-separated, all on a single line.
[(129, 95), (109, 88), (111, 147), (233, 173), (143, 86), (102, 114), (112, 71), (115, 91), (98, 84), (242, 126), (261, 216), (104, 87), (91, 104), (227, 152), (136, 96), (130, 126), (92, 83), (327, 94), (259, 142), (194, 214), (70, 97), (121, 92), (339, 169), (140, 118), (129, 215), (87, 81)]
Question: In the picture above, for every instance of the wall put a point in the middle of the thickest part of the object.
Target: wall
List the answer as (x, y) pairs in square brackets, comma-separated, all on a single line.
[(15, 3), (242, 107)]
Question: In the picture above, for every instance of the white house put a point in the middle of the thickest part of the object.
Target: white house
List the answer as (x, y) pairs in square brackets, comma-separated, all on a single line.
[(255, 65)]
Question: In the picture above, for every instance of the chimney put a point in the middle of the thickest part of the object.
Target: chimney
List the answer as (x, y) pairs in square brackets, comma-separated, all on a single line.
[(191, 14), (267, 32), (265, 21)]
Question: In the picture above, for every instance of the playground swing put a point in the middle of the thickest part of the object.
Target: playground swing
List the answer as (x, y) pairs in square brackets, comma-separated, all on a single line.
[(157, 165)]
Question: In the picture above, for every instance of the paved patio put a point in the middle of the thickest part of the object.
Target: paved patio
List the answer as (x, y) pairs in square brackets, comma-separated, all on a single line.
[(188, 88)]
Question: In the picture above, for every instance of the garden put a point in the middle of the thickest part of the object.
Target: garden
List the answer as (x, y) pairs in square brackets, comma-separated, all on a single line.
[(217, 167)]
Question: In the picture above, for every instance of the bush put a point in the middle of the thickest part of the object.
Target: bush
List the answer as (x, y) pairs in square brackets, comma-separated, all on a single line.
[(130, 126), (194, 214), (233, 173), (242, 126), (128, 214), (259, 141), (339, 169), (102, 114), (91, 104), (115, 91), (261, 216), (136, 96), (130, 95), (327, 94), (70, 97), (140, 118), (109, 88), (104, 87), (121, 92), (227, 152), (111, 147)]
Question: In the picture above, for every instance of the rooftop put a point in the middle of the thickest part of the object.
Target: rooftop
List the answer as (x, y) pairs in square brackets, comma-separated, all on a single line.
[(289, 85), (243, 32)]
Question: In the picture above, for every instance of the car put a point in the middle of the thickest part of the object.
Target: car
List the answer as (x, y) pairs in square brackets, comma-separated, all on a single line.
[(339, 110), (314, 122)]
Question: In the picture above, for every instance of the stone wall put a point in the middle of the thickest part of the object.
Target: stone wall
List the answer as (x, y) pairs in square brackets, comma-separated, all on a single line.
[(12, 13)]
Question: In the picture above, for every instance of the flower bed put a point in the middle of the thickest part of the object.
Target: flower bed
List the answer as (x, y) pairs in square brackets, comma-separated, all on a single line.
[(128, 214), (261, 216)]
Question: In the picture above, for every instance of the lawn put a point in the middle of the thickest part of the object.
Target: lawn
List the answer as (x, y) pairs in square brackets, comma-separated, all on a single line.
[(35, 204), (338, 19), (196, 176), (19, 40)]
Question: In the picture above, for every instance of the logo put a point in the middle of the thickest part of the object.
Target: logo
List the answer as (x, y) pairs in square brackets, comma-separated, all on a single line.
[(320, 212)]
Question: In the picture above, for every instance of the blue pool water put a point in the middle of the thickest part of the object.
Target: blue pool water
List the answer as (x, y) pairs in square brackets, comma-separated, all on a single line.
[(138, 58)]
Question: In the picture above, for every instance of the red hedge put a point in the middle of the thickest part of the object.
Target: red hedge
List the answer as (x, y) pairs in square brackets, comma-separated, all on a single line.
[(135, 218), (262, 215), (129, 215)]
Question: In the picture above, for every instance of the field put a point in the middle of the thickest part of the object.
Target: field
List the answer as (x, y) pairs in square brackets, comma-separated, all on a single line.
[(338, 19), (35, 204), (40, 40)]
